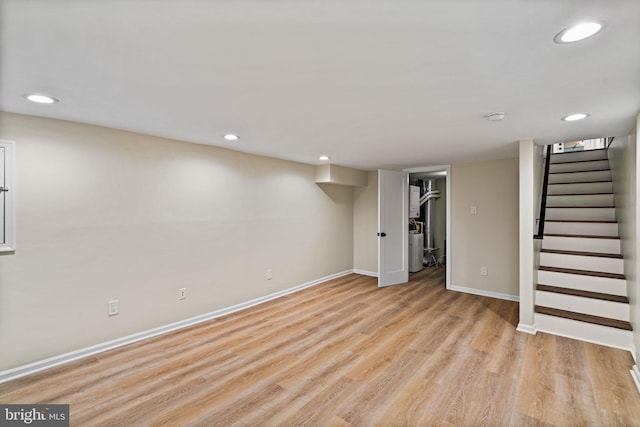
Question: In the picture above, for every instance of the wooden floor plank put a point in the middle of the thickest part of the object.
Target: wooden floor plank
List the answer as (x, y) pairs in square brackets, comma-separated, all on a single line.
[(347, 353)]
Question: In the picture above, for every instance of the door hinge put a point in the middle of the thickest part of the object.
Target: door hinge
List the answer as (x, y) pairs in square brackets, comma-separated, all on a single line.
[(3, 189)]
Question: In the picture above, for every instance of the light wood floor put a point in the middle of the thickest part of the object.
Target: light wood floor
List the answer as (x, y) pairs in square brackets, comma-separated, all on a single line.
[(347, 353)]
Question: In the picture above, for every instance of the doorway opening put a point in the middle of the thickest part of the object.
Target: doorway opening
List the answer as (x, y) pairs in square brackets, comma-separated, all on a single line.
[(429, 220)]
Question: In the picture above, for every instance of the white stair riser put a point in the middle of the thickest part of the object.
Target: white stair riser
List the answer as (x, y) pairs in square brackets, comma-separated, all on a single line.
[(580, 188), (589, 332), (604, 285), (578, 156), (580, 200), (556, 178), (586, 214), (607, 246), (577, 262), (609, 309), (579, 166), (585, 228)]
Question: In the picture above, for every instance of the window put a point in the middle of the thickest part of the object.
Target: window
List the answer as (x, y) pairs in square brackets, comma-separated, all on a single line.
[(582, 145), (7, 197)]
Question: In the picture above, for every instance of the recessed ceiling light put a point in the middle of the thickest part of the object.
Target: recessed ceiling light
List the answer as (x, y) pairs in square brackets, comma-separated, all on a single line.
[(40, 98), (495, 117), (231, 137), (574, 117), (323, 158), (578, 32)]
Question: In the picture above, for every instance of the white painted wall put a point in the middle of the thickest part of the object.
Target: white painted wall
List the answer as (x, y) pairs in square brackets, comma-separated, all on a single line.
[(529, 182), (104, 214), (623, 160), (489, 238), (365, 226)]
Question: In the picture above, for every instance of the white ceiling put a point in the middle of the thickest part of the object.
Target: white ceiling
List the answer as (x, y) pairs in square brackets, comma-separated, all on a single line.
[(371, 83)]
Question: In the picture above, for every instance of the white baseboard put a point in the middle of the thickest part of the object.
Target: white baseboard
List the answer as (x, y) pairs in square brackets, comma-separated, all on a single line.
[(366, 273), (51, 362), (632, 350), (635, 374), (484, 293), (529, 329)]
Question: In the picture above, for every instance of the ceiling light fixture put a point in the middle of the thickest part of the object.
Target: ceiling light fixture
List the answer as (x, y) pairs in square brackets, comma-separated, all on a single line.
[(495, 117), (231, 137), (578, 32), (39, 98), (323, 158), (574, 117)]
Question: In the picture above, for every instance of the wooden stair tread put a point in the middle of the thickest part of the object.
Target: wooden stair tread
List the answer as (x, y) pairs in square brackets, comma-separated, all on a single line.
[(580, 171), (582, 293), (580, 207), (579, 151), (580, 194), (582, 272), (582, 236), (576, 161), (603, 321), (581, 253), (594, 221), (579, 182)]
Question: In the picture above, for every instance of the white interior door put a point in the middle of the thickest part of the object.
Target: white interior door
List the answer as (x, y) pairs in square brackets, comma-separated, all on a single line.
[(393, 227)]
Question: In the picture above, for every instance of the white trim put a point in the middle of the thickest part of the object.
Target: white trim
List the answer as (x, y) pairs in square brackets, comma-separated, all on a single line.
[(446, 168), (632, 350), (41, 365), (529, 329), (484, 293), (365, 272), (581, 331), (10, 198), (635, 374)]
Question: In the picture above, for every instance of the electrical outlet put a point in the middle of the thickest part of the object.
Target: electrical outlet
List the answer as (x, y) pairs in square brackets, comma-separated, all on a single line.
[(114, 307), (182, 293), (473, 210), (269, 274), (484, 271)]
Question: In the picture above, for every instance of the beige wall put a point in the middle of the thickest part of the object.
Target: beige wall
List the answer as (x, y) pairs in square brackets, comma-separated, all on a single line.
[(623, 159), (105, 214), (489, 238), (365, 226)]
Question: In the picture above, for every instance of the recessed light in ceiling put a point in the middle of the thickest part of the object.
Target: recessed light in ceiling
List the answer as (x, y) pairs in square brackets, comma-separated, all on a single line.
[(574, 117), (40, 98), (495, 117), (231, 137), (323, 158), (578, 32)]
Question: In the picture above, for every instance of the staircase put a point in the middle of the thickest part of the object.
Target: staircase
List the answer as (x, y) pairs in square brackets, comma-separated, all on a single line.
[(582, 291)]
